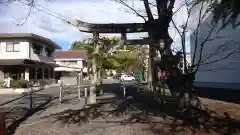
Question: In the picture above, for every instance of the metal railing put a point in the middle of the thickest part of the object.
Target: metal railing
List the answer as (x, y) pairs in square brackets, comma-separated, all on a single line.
[(78, 90)]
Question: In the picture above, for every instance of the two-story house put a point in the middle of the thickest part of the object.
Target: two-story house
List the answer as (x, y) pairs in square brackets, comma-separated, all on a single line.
[(26, 56), (71, 62)]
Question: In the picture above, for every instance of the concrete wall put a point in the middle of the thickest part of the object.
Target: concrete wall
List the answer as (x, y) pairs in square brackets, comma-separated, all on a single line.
[(22, 54), (222, 51)]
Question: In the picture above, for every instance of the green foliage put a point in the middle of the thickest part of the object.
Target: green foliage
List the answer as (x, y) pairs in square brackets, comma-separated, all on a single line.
[(20, 84), (122, 60)]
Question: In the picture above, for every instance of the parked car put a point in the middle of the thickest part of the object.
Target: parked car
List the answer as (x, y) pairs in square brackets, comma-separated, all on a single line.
[(125, 77)]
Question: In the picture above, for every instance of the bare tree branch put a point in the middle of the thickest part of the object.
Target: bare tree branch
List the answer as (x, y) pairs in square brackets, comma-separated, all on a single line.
[(202, 45), (131, 12), (223, 58), (148, 10), (31, 5), (196, 36), (221, 49), (125, 4)]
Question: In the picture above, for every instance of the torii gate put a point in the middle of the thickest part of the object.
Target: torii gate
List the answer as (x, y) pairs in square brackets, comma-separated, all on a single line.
[(121, 28)]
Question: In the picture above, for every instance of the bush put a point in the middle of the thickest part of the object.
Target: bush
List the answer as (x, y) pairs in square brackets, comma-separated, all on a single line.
[(20, 84)]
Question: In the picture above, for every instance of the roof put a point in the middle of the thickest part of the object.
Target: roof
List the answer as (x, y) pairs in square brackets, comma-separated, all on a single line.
[(29, 36), (5, 62), (70, 54)]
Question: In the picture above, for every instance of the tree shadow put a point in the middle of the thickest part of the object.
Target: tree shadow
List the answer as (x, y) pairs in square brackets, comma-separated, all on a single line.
[(193, 118), (143, 108)]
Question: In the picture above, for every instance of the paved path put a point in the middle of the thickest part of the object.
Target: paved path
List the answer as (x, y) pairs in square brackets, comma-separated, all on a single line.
[(53, 126), (66, 119)]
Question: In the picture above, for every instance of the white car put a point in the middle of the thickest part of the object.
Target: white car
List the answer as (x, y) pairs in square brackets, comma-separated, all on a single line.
[(127, 78)]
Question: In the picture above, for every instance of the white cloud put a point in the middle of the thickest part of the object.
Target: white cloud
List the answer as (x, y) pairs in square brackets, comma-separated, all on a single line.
[(47, 19)]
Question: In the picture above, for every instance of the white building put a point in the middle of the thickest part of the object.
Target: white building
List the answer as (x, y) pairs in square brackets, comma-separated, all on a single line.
[(26, 56), (221, 53), (71, 62)]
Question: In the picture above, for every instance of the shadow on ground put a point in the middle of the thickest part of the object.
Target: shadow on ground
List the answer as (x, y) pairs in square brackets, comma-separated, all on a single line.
[(26, 113), (161, 118)]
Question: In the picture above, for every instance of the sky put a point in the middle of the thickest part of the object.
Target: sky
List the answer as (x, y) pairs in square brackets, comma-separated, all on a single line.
[(48, 18)]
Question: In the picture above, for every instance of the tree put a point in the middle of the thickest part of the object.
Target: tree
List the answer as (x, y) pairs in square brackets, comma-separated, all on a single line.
[(204, 57), (157, 26), (112, 56)]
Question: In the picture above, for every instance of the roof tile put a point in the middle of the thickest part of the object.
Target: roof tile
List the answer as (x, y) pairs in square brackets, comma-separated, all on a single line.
[(71, 54)]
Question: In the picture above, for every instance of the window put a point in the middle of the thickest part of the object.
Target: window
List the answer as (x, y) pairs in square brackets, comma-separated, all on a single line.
[(85, 63), (65, 62), (13, 47), (72, 62), (49, 51)]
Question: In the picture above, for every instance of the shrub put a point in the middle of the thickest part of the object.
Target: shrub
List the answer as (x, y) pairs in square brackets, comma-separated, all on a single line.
[(20, 84)]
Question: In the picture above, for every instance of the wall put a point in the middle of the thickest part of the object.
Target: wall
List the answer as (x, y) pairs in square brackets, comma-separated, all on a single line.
[(22, 54), (222, 51), (79, 62), (1, 74), (40, 57), (73, 67)]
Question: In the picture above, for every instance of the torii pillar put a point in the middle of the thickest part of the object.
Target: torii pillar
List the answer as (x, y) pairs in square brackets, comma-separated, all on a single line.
[(124, 39), (92, 94)]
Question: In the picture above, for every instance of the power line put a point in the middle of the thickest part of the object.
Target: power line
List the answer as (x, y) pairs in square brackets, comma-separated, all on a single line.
[(51, 11), (98, 8), (58, 15), (62, 18)]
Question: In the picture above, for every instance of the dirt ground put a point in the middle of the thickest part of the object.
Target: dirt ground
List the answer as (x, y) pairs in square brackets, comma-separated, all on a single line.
[(227, 123), (222, 108), (155, 125)]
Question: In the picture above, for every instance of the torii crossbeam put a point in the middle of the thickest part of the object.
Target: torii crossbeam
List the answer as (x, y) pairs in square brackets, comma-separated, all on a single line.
[(111, 27), (122, 28)]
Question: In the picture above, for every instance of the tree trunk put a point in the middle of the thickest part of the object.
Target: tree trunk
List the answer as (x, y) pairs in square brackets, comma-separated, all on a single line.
[(159, 34)]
